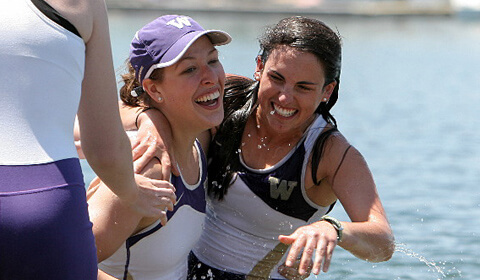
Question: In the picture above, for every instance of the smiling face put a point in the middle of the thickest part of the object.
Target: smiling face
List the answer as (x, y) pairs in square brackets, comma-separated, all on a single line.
[(291, 88), (191, 90)]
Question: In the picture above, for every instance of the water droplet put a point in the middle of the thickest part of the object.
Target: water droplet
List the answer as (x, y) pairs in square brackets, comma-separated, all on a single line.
[(399, 247), (258, 126), (272, 112), (249, 135), (259, 146)]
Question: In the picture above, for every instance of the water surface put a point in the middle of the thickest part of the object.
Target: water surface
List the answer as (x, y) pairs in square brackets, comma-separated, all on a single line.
[(409, 96)]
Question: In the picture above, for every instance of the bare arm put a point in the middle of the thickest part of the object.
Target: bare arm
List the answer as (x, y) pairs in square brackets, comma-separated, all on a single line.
[(108, 155), (368, 236), (114, 221), (104, 143)]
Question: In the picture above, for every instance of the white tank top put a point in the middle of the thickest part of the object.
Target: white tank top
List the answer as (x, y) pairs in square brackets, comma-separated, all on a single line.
[(161, 252), (241, 231), (42, 67)]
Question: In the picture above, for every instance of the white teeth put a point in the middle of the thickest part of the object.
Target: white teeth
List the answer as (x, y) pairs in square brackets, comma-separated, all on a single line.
[(283, 112), (208, 97)]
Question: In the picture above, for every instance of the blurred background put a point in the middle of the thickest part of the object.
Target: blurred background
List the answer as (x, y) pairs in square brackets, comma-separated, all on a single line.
[(409, 101)]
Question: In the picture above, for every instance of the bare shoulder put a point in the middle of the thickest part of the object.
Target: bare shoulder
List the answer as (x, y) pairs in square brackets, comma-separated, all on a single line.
[(336, 146), (335, 155), (83, 14)]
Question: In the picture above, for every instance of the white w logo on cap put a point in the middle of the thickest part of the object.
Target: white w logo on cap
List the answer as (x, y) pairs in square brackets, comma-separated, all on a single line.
[(179, 22)]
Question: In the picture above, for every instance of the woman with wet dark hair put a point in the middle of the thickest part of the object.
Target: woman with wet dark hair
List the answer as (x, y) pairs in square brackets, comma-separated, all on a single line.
[(279, 164)]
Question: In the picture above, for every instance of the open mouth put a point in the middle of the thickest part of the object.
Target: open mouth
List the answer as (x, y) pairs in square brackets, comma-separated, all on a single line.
[(209, 99), (284, 112)]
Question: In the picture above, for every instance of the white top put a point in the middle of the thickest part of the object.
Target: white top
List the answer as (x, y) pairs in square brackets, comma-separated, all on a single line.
[(42, 67), (241, 231), (161, 252)]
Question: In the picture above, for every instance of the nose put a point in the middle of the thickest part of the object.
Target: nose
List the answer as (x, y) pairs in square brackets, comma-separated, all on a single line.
[(285, 95), (209, 75)]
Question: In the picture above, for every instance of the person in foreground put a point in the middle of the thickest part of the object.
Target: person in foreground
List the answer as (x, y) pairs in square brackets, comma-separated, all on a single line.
[(56, 61), (173, 67), (279, 164)]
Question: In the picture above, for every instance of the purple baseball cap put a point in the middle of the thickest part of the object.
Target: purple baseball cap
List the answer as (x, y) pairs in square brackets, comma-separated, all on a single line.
[(163, 42)]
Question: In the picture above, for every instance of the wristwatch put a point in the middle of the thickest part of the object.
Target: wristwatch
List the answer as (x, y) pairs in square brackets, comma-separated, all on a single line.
[(336, 224)]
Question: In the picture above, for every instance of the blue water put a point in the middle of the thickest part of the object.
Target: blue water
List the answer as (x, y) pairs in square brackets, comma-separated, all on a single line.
[(409, 102)]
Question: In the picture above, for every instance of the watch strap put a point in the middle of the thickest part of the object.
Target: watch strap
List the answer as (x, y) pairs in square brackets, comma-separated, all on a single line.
[(336, 224)]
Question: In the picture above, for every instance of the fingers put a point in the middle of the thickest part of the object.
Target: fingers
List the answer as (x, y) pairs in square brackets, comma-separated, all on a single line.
[(290, 273), (311, 248), (166, 200), (137, 148), (306, 260), (295, 250), (286, 239), (164, 189), (328, 256), (142, 153), (155, 197), (163, 218), (166, 165)]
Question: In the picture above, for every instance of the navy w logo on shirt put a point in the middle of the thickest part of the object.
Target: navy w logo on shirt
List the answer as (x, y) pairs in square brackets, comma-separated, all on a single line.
[(281, 188)]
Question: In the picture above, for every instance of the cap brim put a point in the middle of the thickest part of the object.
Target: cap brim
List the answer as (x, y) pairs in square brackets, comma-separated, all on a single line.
[(177, 50)]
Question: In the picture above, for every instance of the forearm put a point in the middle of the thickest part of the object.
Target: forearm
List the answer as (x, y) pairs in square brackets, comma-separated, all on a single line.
[(110, 158), (371, 241), (104, 276)]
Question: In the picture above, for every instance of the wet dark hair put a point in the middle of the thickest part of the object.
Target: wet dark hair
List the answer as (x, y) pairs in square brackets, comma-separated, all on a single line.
[(130, 83), (301, 33)]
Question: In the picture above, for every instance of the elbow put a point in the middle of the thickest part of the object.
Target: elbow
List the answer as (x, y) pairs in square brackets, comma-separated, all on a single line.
[(384, 249)]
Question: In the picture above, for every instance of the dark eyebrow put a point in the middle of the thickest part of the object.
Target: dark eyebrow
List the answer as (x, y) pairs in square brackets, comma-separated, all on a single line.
[(299, 83)]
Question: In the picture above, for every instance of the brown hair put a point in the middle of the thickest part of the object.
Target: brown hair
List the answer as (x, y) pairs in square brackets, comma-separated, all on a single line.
[(131, 84)]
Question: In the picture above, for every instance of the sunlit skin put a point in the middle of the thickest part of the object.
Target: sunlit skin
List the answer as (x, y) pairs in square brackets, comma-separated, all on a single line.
[(292, 85), (190, 95), (291, 88), (198, 76)]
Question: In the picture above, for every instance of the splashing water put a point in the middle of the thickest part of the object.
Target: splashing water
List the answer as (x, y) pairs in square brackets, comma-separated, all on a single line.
[(402, 248)]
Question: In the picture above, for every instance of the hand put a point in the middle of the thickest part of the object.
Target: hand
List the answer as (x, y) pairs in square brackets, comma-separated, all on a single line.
[(154, 139), (319, 237), (154, 198), (291, 273)]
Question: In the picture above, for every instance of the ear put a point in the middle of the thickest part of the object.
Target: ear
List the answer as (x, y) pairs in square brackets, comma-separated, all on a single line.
[(260, 66), (152, 90), (327, 90)]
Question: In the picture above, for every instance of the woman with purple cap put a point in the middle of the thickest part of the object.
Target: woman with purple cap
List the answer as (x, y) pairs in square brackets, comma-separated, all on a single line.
[(174, 67), (278, 164)]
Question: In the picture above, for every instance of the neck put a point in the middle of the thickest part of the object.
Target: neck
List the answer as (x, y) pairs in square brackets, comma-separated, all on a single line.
[(270, 137), (183, 139)]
